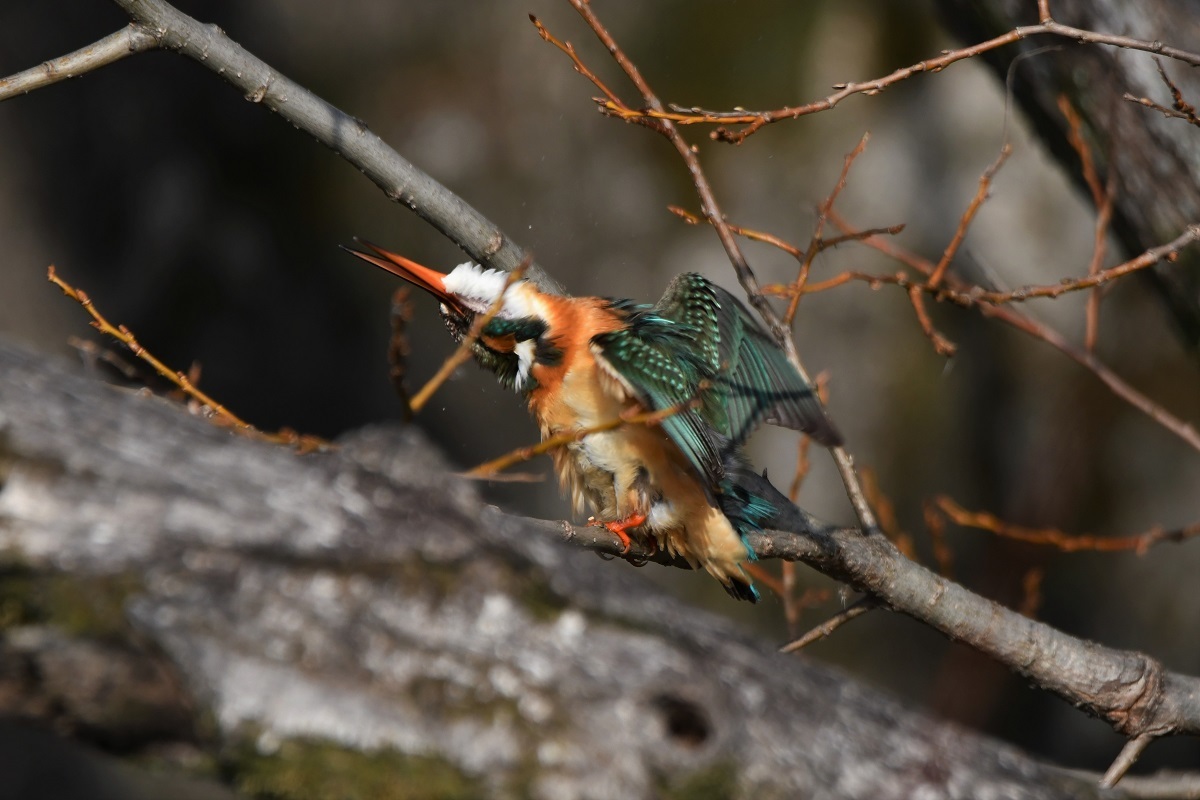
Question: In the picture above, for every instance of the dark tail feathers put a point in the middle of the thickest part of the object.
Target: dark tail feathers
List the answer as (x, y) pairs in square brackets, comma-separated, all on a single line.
[(740, 588)]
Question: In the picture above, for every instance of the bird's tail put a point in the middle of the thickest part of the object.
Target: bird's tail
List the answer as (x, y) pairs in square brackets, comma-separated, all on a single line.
[(747, 513), (740, 587)]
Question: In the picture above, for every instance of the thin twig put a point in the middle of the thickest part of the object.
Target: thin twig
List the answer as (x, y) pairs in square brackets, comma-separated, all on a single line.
[(580, 67), (941, 344), (968, 296), (1031, 592), (112, 48), (1068, 543), (398, 348), (752, 121), (964, 222), (790, 249), (220, 414), (1099, 249), (885, 509), (989, 303), (1182, 109), (853, 611), (815, 243), (1125, 759), (520, 454), (1102, 198), (943, 556)]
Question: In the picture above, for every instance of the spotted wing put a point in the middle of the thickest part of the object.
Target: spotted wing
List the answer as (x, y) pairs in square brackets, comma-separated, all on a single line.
[(651, 359)]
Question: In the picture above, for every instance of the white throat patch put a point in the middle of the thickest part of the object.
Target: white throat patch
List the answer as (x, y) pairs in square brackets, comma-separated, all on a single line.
[(526, 352)]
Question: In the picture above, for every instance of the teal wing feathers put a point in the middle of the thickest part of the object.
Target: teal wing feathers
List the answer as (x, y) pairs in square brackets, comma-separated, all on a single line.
[(649, 362), (699, 343), (759, 383)]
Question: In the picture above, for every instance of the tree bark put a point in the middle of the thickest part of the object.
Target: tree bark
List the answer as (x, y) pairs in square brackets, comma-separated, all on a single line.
[(288, 611)]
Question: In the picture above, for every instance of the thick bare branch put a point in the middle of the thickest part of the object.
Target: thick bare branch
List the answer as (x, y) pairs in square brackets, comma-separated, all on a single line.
[(1131, 691), (160, 25)]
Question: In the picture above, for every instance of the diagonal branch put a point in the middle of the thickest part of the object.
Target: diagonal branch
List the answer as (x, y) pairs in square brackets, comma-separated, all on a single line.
[(402, 181), (1131, 691)]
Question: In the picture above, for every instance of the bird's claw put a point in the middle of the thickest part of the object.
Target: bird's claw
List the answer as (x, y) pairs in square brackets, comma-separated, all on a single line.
[(619, 527)]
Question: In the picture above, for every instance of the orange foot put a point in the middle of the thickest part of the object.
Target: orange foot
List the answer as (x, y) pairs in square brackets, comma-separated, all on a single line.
[(618, 527)]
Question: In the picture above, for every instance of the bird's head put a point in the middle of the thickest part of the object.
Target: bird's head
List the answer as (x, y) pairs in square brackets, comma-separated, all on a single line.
[(514, 341)]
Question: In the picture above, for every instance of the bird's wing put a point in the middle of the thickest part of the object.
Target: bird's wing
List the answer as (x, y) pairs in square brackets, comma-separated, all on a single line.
[(759, 383), (651, 360), (691, 300)]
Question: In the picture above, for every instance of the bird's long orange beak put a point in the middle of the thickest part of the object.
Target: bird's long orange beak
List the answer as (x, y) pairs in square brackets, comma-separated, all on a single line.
[(418, 275)]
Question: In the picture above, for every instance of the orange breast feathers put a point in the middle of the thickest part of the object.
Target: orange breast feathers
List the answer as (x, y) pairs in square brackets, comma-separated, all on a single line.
[(572, 393)]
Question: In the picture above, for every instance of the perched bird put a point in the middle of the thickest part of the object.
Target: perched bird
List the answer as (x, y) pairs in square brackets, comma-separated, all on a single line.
[(584, 361)]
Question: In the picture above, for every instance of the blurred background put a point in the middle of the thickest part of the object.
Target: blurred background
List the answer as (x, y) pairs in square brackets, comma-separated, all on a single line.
[(210, 227)]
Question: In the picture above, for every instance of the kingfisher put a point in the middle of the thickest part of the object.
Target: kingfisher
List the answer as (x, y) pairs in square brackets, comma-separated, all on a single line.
[(697, 354)]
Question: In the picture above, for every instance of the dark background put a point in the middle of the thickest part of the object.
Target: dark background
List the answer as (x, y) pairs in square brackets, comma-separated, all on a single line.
[(210, 227)]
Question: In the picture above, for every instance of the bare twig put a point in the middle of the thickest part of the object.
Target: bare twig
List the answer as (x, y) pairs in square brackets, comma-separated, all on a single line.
[(853, 611), (1125, 759), (490, 468), (790, 249), (968, 296), (1102, 199), (941, 344), (1182, 109), (1031, 591), (580, 67), (752, 121), (816, 242), (1099, 248), (220, 414), (990, 303), (112, 48), (1068, 543), (1166, 112), (943, 556), (964, 222), (398, 349)]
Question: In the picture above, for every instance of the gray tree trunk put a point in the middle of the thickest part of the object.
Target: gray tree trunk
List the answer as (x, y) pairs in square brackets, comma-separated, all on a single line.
[(356, 624)]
